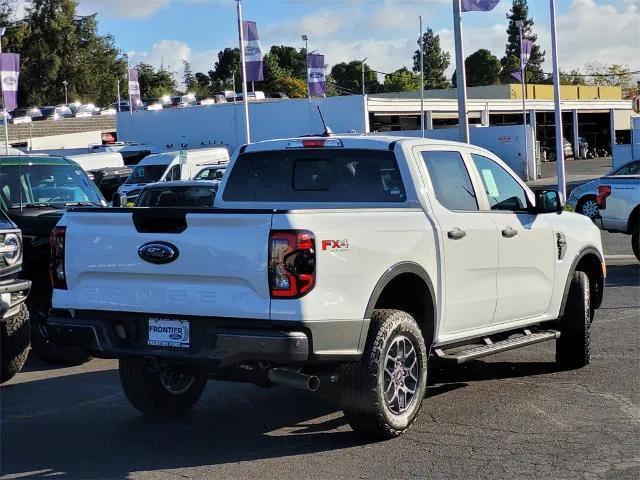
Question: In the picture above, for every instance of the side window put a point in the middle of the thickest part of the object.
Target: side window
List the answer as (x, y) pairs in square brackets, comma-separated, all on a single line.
[(451, 182), (174, 174), (503, 191), (632, 168)]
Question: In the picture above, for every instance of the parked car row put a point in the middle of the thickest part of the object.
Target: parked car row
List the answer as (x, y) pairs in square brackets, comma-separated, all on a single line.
[(57, 112), (612, 201), (35, 191)]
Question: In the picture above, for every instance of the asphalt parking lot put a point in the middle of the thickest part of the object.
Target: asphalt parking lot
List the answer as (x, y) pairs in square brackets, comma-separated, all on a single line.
[(513, 415)]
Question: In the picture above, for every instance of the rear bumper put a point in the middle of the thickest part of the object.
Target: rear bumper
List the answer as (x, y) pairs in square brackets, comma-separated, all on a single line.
[(12, 295), (215, 343)]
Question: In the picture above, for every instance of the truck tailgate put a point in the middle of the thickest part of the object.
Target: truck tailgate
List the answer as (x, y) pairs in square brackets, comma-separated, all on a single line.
[(220, 269)]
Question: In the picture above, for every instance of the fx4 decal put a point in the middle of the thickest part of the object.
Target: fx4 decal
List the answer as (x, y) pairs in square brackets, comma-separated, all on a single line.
[(333, 245)]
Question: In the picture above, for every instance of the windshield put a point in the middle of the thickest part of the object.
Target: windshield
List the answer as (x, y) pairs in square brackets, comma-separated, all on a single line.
[(146, 174), (55, 184), (190, 196)]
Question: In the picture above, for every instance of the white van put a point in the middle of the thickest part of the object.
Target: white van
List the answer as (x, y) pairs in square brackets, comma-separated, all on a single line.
[(168, 166), (98, 161)]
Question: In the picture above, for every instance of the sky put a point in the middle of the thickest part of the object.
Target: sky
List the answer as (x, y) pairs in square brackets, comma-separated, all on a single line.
[(385, 31)]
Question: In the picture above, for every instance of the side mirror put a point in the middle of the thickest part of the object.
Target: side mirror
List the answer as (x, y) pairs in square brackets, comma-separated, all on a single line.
[(119, 200), (548, 201)]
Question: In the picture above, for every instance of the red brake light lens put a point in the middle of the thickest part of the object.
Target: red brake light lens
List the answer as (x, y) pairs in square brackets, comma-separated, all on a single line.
[(603, 192), (292, 263), (56, 267)]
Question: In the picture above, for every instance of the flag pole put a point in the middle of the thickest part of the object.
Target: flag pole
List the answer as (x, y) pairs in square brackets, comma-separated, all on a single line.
[(461, 76), (421, 78), (524, 103), (562, 187), (245, 95), (129, 84)]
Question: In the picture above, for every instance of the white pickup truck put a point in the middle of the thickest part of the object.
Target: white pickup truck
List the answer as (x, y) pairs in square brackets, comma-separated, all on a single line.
[(352, 261)]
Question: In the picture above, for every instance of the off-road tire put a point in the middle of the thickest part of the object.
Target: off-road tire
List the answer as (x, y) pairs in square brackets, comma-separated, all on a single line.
[(15, 343), (145, 391), (573, 346), (363, 399), (50, 352), (635, 241)]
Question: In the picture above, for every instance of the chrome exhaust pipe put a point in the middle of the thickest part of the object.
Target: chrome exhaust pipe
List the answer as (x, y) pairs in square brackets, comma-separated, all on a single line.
[(310, 383)]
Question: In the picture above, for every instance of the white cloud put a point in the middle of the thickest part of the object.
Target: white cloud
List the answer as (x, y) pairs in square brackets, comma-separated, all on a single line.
[(171, 54), (121, 8)]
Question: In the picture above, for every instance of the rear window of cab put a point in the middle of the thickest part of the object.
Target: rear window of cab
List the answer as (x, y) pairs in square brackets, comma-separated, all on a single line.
[(315, 175)]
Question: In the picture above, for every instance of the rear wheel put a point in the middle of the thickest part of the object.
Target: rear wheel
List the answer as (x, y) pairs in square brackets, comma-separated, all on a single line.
[(170, 391), (588, 206), (573, 346), (635, 241), (15, 343), (383, 392)]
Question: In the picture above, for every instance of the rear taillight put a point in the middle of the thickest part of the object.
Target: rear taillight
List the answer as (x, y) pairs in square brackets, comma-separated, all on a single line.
[(292, 263), (56, 267), (603, 192)]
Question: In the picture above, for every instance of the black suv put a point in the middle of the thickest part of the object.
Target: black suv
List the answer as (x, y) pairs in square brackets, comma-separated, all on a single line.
[(13, 293), (34, 192)]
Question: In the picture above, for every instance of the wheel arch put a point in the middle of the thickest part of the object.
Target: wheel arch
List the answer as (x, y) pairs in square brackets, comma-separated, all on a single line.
[(590, 261), (634, 219), (407, 286)]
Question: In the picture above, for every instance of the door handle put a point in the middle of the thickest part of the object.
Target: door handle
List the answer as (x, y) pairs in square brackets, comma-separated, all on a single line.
[(509, 232), (456, 234)]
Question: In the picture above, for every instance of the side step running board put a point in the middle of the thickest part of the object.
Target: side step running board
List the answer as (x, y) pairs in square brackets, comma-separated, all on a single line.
[(462, 355)]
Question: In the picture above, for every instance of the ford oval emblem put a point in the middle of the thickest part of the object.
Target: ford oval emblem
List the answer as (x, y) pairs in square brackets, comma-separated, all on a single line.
[(158, 252), (316, 75), (175, 336), (251, 51)]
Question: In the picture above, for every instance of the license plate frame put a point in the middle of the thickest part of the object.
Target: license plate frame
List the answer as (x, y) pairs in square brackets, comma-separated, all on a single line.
[(170, 333)]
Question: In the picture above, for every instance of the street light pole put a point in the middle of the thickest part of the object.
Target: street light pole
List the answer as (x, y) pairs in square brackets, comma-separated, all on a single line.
[(562, 186), (421, 42), (66, 97), (305, 39), (364, 92), (6, 114), (525, 159)]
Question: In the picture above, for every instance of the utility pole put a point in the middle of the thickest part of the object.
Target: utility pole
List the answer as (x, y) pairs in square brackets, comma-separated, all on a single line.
[(364, 92), (305, 39), (421, 43), (525, 159), (244, 72), (562, 186), (66, 97), (461, 75)]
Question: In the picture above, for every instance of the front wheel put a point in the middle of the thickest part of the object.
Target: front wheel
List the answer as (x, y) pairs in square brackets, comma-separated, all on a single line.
[(15, 343), (383, 392), (573, 346), (167, 392)]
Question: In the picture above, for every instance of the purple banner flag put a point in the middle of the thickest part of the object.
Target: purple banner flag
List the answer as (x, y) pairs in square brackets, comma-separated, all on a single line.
[(525, 52), (134, 89), (252, 52), (316, 75), (9, 73), (517, 74), (478, 5)]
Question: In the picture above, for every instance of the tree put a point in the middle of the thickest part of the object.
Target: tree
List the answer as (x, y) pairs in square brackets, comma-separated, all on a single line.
[(511, 59), (348, 78), (289, 59), (436, 61), (574, 77), (612, 75), (188, 78), (482, 68), (402, 80), (226, 67), (155, 83)]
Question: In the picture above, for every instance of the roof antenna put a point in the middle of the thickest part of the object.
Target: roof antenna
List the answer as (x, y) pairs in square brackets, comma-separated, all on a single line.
[(327, 131)]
